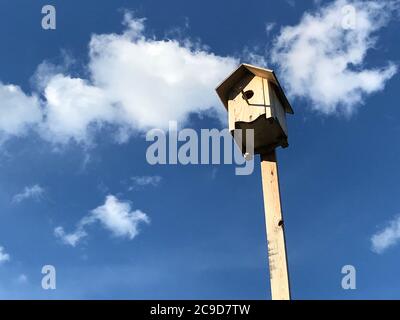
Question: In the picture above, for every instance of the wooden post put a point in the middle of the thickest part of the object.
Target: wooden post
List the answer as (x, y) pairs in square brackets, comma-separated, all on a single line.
[(278, 268)]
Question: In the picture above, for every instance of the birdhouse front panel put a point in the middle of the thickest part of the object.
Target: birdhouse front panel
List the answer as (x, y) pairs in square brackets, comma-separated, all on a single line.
[(253, 104), (248, 100)]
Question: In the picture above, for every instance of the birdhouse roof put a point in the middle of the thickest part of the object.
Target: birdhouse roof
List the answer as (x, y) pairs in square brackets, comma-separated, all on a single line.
[(245, 69)]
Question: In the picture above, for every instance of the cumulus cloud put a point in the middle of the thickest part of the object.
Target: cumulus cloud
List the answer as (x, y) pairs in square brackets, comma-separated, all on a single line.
[(323, 58), (71, 239), (135, 82), (387, 237), (117, 217), (34, 192), (155, 81), (4, 257), (114, 215), (73, 109), (18, 111)]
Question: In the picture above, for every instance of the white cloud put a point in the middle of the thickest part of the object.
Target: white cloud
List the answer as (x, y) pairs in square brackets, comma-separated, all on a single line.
[(73, 108), (117, 217), (71, 239), (251, 55), (114, 215), (4, 257), (18, 111), (155, 81), (323, 57), (34, 192), (134, 83), (269, 26), (387, 237), (140, 181)]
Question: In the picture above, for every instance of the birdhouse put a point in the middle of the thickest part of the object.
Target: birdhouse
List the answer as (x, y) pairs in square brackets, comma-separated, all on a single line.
[(255, 100)]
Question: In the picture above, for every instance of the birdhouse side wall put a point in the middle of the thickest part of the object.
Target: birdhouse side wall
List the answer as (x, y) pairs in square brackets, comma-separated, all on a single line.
[(278, 110)]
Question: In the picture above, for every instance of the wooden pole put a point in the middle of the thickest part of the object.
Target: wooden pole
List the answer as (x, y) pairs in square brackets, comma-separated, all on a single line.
[(278, 268)]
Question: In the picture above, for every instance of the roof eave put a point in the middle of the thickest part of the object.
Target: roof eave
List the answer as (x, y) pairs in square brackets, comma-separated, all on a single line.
[(225, 85)]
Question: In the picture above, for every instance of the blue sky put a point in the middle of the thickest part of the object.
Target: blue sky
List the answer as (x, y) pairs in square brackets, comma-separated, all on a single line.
[(73, 127)]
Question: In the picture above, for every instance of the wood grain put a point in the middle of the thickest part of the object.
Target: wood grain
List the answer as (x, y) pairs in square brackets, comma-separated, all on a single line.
[(279, 275)]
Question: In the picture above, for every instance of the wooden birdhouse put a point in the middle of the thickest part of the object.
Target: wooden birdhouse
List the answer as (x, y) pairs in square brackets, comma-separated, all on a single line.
[(255, 100)]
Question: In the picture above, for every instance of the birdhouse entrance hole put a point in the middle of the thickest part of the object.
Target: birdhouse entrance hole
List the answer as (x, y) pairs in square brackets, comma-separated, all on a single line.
[(248, 95)]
